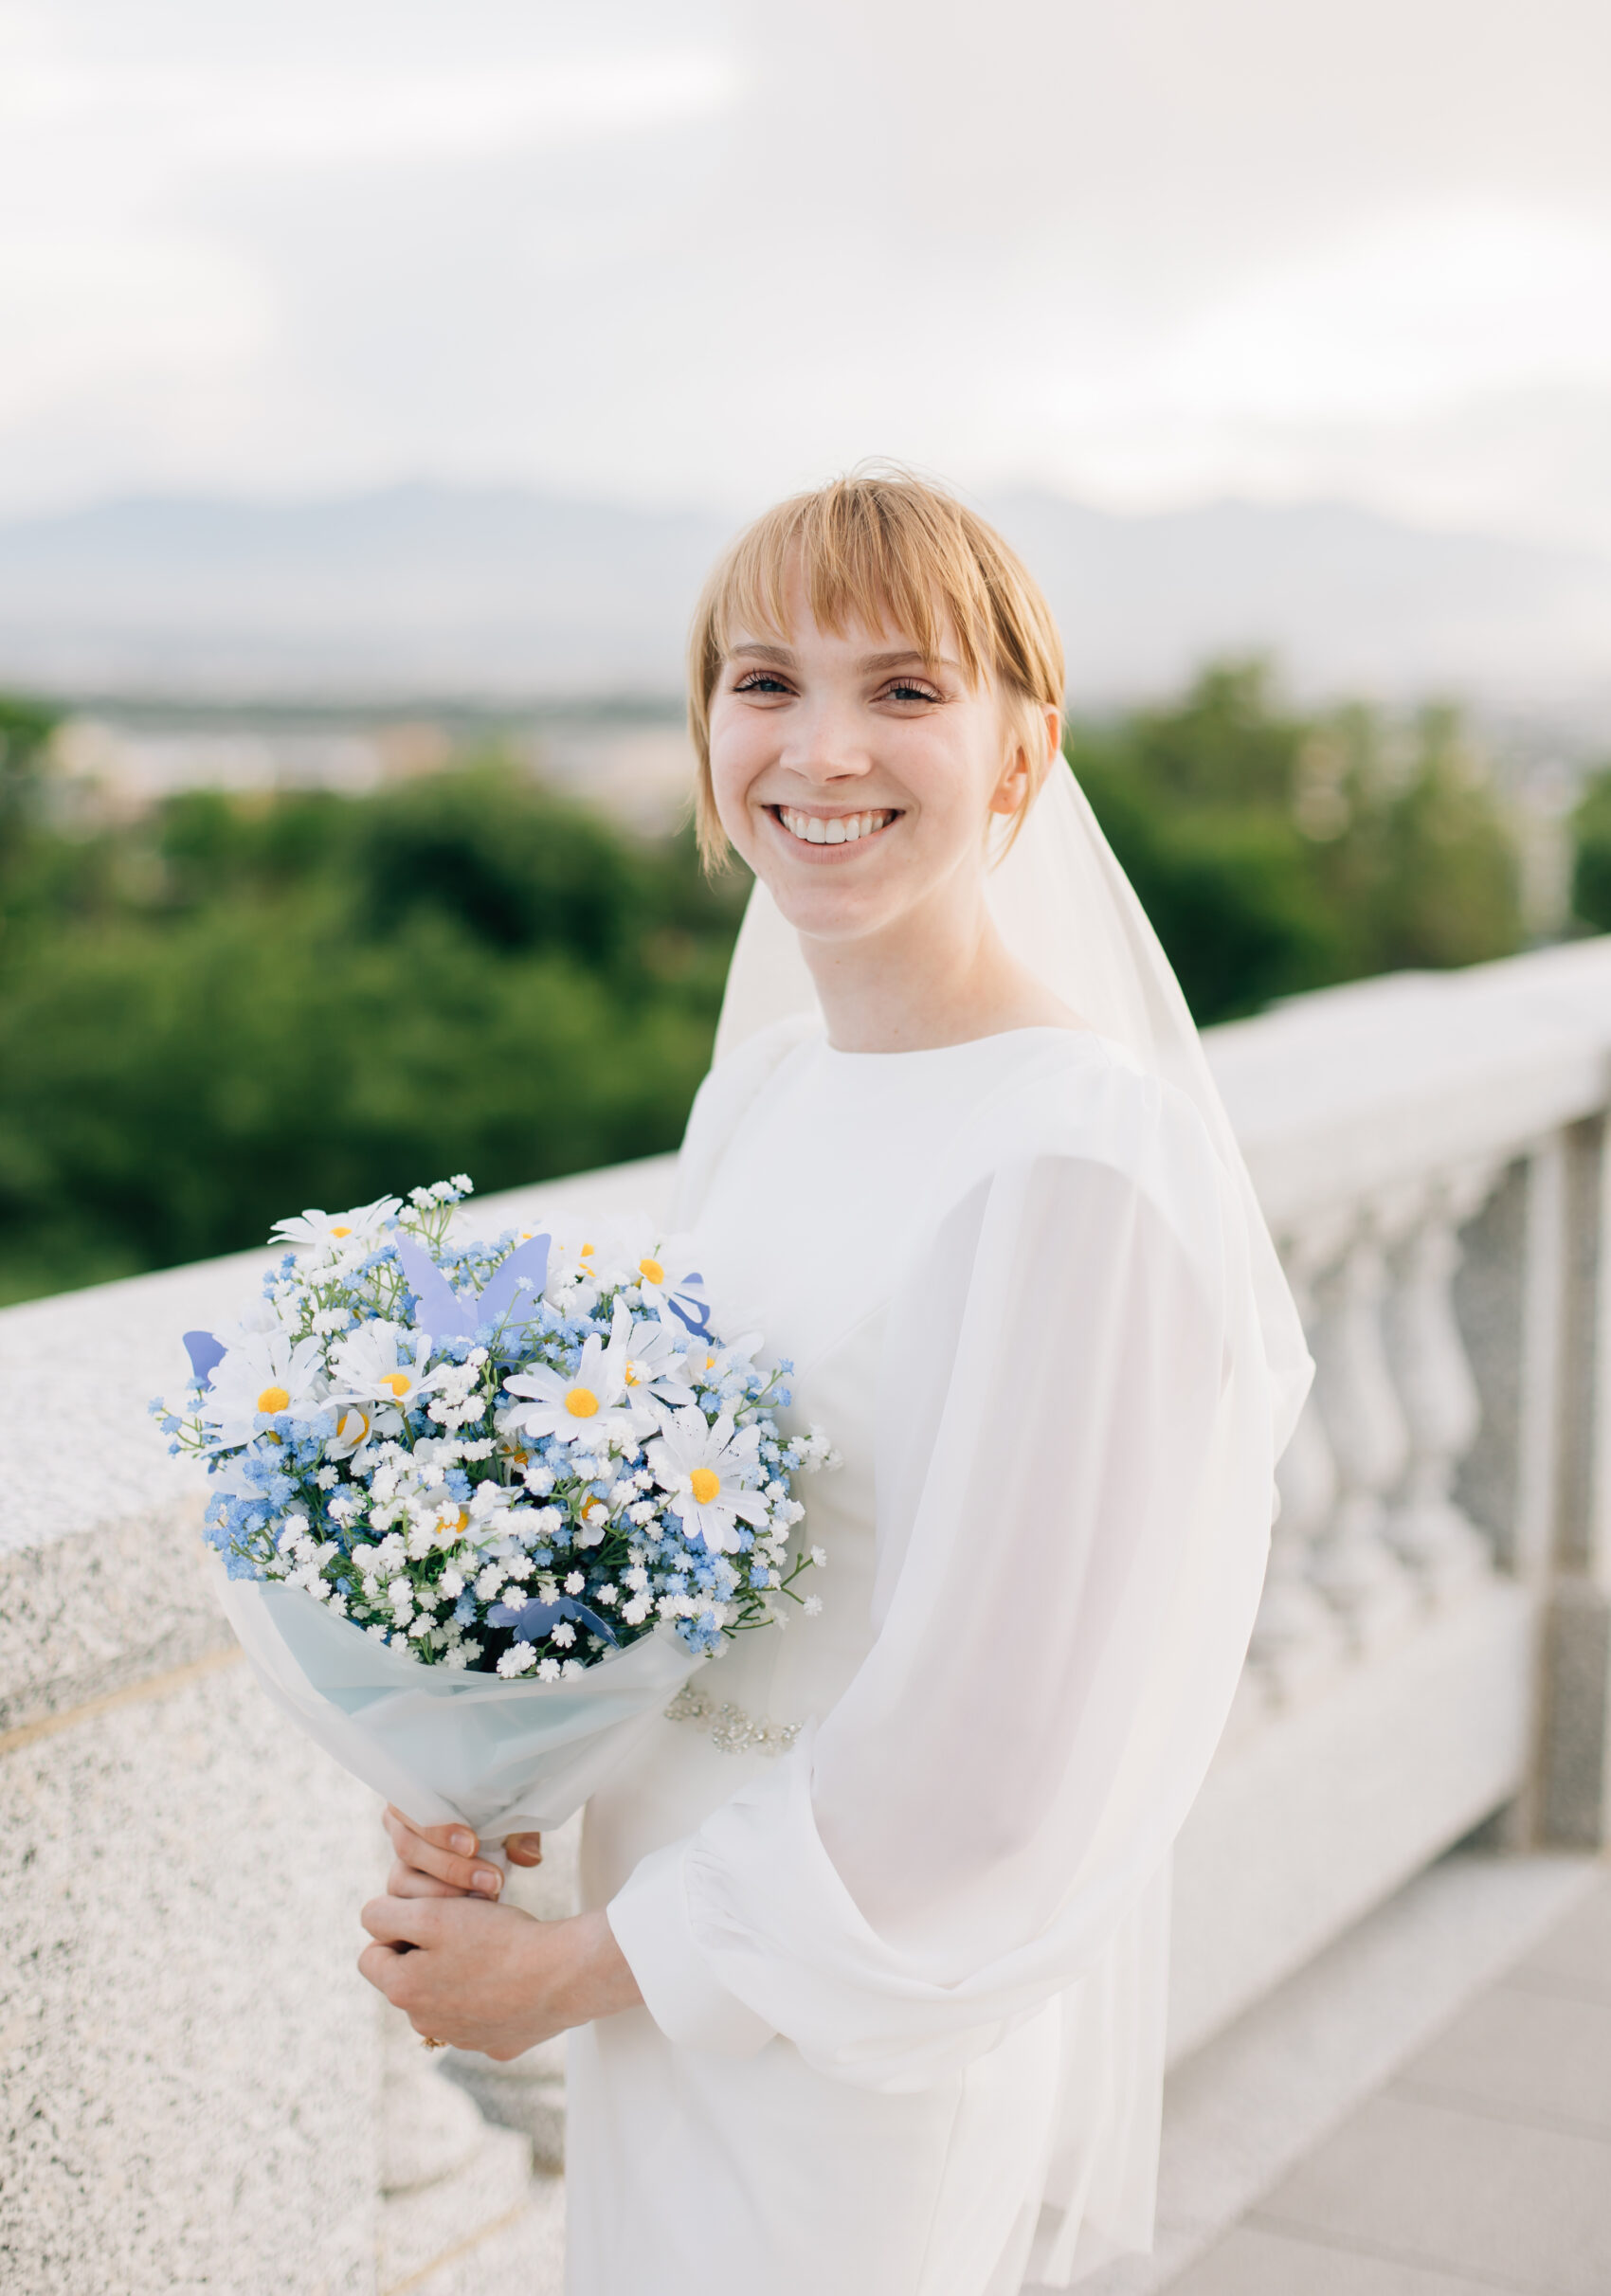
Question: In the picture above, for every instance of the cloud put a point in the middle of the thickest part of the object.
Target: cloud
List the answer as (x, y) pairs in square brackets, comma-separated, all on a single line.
[(190, 115), (701, 249), (1422, 308)]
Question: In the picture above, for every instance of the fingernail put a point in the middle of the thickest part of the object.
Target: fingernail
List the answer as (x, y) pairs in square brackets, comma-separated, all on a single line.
[(465, 1844), (488, 1884)]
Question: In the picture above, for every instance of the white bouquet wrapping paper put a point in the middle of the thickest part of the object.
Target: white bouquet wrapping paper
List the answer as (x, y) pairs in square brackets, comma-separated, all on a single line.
[(445, 1745)]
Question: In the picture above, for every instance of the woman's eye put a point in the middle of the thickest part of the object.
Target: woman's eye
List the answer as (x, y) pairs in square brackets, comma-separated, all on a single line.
[(760, 681), (905, 689)]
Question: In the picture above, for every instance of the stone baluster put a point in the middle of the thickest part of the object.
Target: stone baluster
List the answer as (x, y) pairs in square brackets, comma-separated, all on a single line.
[(1435, 1390), (1297, 1641), (1355, 1564)]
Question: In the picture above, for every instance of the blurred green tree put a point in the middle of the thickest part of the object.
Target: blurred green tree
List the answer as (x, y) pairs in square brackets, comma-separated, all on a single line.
[(25, 728), (1592, 859), (237, 1005), (1277, 852), (233, 1006)]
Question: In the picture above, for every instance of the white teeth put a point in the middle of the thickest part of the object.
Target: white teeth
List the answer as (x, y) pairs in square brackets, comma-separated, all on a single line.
[(836, 829)]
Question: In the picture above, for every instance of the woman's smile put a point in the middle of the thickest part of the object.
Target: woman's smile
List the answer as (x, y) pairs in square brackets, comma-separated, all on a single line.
[(818, 826)]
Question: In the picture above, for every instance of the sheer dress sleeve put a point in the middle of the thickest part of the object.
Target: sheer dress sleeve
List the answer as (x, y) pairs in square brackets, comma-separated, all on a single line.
[(1073, 1480)]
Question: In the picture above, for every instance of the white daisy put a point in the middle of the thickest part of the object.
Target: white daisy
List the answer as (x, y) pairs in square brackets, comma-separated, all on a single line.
[(588, 1403), (573, 1258), (260, 1316), (663, 1268), (655, 1371), (707, 1363), (265, 1372), (329, 1235), (356, 1424), (373, 1365), (702, 1468)]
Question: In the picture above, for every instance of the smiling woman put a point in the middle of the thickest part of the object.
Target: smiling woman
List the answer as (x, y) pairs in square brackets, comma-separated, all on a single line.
[(874, 683), (868, 1995)]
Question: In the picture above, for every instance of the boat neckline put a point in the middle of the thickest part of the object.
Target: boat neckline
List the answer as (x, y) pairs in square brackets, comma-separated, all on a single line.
[(970, 1044)]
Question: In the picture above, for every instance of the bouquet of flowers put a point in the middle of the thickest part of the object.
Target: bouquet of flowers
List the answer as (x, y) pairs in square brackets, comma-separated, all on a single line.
[(482, 1507)]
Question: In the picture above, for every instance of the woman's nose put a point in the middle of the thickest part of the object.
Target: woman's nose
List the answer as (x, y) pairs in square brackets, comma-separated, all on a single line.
[(828, 745)]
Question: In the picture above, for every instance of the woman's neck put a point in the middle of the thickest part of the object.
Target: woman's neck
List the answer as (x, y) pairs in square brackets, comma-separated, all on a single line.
[(924, 983)]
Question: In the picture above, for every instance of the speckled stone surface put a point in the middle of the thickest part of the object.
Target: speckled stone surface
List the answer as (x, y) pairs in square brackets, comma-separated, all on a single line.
[(422, 2229), (192, 2095), (188, 2055), (524, 2255), (78, 1451), (101, 1609)]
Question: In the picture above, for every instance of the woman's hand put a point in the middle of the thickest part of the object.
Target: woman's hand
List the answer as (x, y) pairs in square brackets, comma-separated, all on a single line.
[(440, 1861), (489, 1977)]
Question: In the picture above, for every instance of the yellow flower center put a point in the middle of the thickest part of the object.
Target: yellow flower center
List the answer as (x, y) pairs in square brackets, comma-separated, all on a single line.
[(586, 1252), (593, 1509), (341, 1231), (652, 1270), (517, 1459), (581, 1402), (399, 1383), (710, 1362), (705, 1484), (353, 1426), (274, 1399), (460, 1521), (632, 1376)]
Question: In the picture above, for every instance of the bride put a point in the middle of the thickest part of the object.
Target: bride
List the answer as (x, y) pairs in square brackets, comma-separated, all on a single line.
[(869, 1993)]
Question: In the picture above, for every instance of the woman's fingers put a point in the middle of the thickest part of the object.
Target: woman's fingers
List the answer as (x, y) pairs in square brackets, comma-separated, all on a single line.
[(524, 1849), (401, 1923), (379, 1964), (442, 1853), (404, 1881)]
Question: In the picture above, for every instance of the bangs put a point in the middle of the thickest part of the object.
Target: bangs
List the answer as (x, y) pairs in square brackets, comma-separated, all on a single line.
[(861, 556), (890, 553)]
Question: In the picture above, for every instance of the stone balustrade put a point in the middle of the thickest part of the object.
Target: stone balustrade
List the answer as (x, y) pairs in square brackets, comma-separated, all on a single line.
[(1432, 1645), (197, 2089)]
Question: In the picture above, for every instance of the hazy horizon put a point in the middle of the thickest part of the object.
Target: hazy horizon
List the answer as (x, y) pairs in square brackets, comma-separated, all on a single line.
[(511, 593)]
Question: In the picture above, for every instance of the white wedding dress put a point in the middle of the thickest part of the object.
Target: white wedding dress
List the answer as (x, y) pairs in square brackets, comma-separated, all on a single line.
[(904, 1979)]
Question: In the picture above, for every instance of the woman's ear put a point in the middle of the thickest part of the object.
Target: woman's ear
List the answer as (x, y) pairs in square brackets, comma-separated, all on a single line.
[(1034, 734), (1012, 792)]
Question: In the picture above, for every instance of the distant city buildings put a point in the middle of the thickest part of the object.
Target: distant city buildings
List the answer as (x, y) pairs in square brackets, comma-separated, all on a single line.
[(113, 763)]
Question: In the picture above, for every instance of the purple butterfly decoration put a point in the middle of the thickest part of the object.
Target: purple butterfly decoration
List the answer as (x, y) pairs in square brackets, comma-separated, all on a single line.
[(205, 1354), (449, 1314), (698, 1325)]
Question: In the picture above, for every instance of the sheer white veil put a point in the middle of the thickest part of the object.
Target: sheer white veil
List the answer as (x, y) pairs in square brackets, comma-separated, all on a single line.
[(1067, 911)]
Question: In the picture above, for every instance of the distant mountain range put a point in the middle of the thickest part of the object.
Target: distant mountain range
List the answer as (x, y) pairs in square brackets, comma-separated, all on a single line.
[(425, 591)]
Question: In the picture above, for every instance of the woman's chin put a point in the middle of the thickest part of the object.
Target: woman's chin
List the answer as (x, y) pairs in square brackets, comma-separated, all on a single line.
[(827, 912)]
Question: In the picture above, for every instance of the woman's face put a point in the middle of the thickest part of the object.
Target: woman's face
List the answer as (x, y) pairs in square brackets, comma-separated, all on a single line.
[(854, 777)]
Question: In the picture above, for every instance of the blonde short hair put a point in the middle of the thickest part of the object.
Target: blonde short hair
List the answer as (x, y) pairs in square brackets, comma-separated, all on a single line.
[(884, 548)]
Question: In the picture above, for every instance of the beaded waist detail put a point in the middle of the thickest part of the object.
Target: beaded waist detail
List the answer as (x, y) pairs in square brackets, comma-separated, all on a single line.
[(732, 1730)]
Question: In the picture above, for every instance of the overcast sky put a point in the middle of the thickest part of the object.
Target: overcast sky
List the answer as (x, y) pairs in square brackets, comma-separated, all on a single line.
[(1147, 251)]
